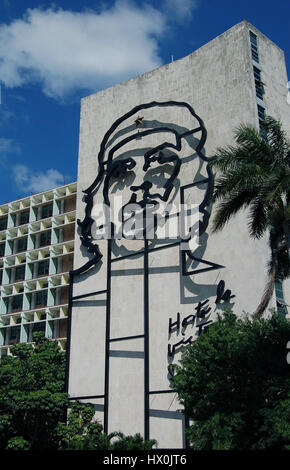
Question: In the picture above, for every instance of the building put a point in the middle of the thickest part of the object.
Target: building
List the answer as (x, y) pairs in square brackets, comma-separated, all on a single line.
[(136, 302), (131, 303), (36, 254)]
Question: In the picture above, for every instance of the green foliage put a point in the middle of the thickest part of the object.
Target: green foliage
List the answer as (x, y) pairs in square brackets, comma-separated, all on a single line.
[(81, 432), (32, 398), (255, 174), (17, 443), (131, 442), (34, 410), (234, 382)]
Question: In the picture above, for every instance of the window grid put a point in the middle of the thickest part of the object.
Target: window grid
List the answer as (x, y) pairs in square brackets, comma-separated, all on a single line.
[(17, 298)]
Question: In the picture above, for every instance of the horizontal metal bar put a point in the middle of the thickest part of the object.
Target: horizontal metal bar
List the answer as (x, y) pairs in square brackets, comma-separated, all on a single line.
[(157, 248), (163, 247), (126, 337), (113, 260), (155, 392), (89, 295), (191, 185), (87, 397)]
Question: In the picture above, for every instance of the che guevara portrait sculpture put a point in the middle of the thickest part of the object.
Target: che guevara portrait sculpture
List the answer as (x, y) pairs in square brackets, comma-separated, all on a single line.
[(152, 171), (152, 174)]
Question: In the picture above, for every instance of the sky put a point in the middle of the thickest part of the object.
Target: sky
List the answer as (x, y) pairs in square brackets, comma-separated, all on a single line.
[(54, 53)]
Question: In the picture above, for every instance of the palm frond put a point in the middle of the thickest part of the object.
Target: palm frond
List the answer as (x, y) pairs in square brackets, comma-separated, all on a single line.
[(276, 138), (247, 136), (224, 159), (258, 218), (275, 186), (229, 207)]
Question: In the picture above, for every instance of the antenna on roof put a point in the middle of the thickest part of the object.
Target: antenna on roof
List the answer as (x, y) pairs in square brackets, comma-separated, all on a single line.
[(172, 58)]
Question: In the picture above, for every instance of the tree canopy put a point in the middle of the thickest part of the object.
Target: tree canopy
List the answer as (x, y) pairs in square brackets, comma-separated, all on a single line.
[(255, 174), (35, 411), (32, 398), (234, 383)]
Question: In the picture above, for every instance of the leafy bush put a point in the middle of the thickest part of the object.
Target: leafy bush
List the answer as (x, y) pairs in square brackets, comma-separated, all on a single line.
[(234, 382)]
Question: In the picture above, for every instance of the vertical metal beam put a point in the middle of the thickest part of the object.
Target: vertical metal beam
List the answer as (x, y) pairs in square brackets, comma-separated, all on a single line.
[(107, 344), (146, 342), (68, 344)]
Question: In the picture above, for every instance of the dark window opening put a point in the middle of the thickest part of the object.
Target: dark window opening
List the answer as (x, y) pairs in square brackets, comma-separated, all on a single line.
[(2, 249), (261, 113), (20, 273), (45, 239), (16, 303), (21, 244), (38, 327), (24, 218), (41, 298), (43, 268), (46, 211), (14, 335), (3, 222)]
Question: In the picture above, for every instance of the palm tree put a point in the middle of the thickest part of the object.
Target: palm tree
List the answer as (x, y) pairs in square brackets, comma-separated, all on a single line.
[(255, 174)]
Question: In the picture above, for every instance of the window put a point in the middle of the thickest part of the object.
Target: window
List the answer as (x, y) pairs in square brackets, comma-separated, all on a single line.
[(259, 91), (14, 334), (23, 218), (38, 327), (17, 302), (43, 268), (21, 244), (281, 304), (258, 83), (263, 132), (45, 239), (20, 273), (2, 249), (41, 298), (46, 211), (261, 113), (3, 223), (257, 74), (254, 47)]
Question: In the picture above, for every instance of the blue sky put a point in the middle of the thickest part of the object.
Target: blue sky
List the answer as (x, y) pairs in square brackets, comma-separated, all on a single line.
[(53, 54)]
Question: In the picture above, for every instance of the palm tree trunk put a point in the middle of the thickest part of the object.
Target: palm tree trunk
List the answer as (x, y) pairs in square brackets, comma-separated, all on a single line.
[(267, 293)]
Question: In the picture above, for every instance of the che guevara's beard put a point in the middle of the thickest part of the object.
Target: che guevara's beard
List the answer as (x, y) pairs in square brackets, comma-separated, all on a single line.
[(140, 213)]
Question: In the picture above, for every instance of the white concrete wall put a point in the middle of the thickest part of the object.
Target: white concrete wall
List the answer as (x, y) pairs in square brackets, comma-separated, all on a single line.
[(217, 81)]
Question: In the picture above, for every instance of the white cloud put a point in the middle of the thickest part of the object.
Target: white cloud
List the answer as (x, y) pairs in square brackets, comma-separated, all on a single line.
[(8, 146), (180, 10), (32, 181), (65, 51)]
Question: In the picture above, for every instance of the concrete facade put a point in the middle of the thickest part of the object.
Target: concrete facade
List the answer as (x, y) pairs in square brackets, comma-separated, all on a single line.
[(122, 338)]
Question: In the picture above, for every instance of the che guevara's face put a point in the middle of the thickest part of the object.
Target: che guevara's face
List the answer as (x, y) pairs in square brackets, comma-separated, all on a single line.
[(154, 177), (145, 181)]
